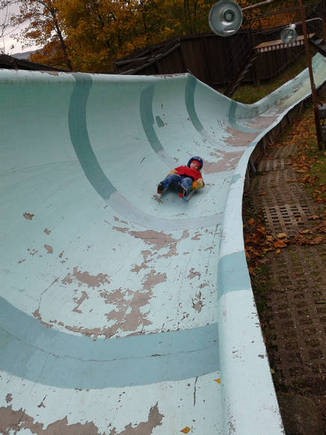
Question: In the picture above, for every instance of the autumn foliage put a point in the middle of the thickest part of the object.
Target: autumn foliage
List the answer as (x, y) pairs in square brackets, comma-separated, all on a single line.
[(89, 35), (259, 242), (309, 166)]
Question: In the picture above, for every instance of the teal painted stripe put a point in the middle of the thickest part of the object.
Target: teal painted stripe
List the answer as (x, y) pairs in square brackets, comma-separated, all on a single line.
[(235, 178), (147, 118), (233, 273), (80, 138), (232, 111), (234, 121), (190, 103), (47, 356)]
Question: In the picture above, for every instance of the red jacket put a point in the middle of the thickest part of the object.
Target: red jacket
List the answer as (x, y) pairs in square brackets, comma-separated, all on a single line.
[(189, 172)]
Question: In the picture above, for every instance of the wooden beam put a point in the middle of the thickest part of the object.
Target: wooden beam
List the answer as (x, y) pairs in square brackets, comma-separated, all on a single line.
[(278, 44)]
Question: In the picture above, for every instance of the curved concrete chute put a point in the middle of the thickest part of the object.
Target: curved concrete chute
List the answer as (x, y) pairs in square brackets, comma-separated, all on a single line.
[(120, 311)]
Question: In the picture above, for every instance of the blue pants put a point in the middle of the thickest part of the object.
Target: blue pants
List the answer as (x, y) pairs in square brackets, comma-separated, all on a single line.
[(175, 181)]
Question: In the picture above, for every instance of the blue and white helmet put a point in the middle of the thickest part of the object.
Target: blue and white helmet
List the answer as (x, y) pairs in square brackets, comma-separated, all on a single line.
[(198, 159)]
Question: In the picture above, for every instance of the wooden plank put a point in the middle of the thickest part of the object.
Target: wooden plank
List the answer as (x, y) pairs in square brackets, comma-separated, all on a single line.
[(278, 44)]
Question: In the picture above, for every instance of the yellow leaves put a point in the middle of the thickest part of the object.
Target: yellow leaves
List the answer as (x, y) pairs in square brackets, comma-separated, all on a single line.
[(305, 232), (281, 241), (319, 193), (308, 162), (318, 240), (312, 237), (309, 173), (270, 16), (279, 244), (187, 429), (259, 242), (314, 217)]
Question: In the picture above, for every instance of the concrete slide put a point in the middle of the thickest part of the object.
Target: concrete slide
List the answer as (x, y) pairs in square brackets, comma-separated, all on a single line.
[(123, 313)]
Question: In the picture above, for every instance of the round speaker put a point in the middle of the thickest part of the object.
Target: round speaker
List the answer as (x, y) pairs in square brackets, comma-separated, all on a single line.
[(225, 17), (289, 34)]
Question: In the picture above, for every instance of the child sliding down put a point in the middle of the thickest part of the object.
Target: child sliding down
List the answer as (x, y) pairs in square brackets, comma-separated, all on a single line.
[(184, 179)]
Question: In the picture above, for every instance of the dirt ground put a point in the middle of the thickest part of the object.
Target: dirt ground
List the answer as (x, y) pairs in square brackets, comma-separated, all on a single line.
[(290, 286)]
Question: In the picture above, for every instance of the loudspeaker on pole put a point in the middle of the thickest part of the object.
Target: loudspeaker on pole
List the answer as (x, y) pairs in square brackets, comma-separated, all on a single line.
[(289, 34), (225, 17)]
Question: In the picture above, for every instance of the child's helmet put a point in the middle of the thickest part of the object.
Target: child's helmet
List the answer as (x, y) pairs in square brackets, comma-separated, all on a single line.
[(198, 159)]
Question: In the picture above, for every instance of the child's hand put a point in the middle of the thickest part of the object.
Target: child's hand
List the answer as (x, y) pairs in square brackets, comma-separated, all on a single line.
[(198, 184)]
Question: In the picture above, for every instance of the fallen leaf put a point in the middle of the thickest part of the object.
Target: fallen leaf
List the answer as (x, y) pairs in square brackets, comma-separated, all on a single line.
[(281, 235), (186, 429), (317, 240), (280, 244)]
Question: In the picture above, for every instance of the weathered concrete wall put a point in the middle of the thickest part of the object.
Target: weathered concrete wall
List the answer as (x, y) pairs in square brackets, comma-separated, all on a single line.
[(123, 312)]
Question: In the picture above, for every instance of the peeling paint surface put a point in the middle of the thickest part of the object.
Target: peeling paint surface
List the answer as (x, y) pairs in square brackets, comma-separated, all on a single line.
[(122, 313)]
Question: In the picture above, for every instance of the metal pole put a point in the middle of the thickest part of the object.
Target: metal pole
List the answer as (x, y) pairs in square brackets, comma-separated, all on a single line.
[(314, 96), (266, 2)]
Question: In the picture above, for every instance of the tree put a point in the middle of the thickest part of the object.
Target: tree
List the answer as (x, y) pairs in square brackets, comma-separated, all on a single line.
[(43, 25), (277, 13), (97, 31), (5, 27), (89, 35), (195, 15)]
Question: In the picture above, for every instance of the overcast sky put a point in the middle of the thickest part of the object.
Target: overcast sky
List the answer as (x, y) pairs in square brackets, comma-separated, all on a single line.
[(8, 44)]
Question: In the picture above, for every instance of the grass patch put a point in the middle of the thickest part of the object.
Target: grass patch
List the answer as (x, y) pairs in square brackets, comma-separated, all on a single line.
[(249, 94), (309, 162), (318, 169), (316, 182)]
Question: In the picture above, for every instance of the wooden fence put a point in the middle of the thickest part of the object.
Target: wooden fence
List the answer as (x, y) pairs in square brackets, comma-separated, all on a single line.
[(218, 61)]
